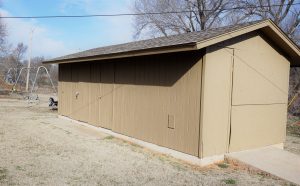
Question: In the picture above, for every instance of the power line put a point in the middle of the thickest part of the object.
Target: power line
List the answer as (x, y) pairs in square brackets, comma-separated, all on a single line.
[(134, 14)]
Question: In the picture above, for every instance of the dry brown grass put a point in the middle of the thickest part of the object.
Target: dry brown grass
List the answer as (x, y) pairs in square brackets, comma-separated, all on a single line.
[(37, 148)]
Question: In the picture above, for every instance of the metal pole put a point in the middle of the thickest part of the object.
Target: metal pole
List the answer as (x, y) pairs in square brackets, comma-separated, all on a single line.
[(17, 79), (29, 60), (34, 80), (48, 77), (50, 80)]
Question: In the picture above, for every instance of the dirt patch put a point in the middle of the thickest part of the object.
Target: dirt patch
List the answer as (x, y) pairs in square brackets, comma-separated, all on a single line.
[(38, 148)]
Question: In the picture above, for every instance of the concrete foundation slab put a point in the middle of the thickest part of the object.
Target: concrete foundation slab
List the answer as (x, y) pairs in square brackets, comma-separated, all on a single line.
[(156, 148), (272, 160)]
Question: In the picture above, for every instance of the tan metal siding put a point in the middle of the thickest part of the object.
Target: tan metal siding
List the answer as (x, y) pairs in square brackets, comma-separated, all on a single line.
[(83, 89), (75, 97), (257, 126), (260, 94), (94, 95), (216, 101), (153, 98), (68, 90), (60, 89), (149, 90), (261, 74), (249, 76), (64, 89), (106, 94)]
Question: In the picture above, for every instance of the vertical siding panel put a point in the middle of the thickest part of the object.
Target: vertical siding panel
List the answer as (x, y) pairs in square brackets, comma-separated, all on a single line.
[(83, 89), (216, 101), (106, 95), (152, 88), (63, 90), (60, 89), (94, 91), (139, 95), (124, 86), (66, 90), (75, 99)]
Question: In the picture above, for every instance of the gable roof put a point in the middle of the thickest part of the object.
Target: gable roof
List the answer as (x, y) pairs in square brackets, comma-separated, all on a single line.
[(186, 42)]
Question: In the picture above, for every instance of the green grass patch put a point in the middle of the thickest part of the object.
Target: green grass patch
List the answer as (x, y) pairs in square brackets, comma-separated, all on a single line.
[(230, 181), (293, 130), (292, 119), (178, 166), (293, 126), (292, 184), (223, 165), (136, 145), (3, 173), (162, 159), (108, 138), (20, 168)]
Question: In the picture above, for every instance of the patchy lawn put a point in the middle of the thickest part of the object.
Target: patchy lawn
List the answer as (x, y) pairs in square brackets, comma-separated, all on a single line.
[(292, 143), (37, 148)]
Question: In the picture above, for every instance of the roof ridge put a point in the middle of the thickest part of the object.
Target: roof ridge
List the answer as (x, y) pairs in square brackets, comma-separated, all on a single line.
[(165, 41), (167, 37), (175, 35)]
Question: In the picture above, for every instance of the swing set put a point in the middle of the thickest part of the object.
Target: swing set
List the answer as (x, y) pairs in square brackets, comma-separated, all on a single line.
[(30, 97)]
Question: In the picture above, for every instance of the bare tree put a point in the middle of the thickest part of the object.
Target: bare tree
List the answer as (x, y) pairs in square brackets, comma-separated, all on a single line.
[(294, 92), (14, 60), (197, 15), (187, 16), (19, 51), (285, 13), (43, 77), (3, 35)]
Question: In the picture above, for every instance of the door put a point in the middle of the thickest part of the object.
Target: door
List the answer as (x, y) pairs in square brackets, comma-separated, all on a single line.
[(259, 96)]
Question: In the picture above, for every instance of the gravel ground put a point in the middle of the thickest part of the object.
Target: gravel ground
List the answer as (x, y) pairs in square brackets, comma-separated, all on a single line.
[(292, 142), (37, 148)]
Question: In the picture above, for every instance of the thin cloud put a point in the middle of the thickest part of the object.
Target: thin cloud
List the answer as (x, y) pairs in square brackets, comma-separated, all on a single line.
[(96, 32), (42, 44)]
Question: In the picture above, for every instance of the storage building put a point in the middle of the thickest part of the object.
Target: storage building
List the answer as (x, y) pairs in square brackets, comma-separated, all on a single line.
[(201, 93)]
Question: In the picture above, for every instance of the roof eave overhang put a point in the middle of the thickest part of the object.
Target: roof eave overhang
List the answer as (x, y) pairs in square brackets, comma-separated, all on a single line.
[(158, 50), (270, 29)]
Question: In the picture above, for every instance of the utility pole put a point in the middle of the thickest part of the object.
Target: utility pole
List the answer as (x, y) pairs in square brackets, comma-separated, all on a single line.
[(29, 60)]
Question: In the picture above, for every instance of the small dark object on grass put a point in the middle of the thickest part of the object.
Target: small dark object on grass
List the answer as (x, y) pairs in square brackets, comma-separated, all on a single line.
[(52, 103)]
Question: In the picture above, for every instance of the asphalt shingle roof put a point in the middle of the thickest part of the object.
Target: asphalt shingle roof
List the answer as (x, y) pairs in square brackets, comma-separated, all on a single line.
[(181, 39)]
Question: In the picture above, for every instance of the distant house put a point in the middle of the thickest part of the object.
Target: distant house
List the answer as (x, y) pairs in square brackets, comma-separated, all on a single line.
[(201, 93)]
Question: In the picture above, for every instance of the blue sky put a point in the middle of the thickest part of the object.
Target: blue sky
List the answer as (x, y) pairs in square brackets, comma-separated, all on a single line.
[(56, 37)]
